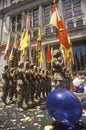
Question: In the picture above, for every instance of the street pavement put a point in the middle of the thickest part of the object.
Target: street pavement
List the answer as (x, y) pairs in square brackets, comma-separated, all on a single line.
[(35, 118)]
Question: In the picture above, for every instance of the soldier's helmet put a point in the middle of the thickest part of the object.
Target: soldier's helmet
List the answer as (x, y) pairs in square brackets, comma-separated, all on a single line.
[(20, 64), (35, 68), (31, 66), (11, 70), (56, 53), (5, 67)]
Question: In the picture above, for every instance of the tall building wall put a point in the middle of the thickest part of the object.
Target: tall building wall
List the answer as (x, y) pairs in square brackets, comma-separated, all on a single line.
[(16, 7)]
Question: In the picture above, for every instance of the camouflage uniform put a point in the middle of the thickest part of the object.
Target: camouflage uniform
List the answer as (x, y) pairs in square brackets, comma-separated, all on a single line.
[(47, 83), (20, 86), (12, 84), (5, 84), (58, 68)]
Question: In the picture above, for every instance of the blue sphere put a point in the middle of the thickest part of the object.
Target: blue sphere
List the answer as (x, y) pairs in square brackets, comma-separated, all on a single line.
[(80, 88), (64, 107)]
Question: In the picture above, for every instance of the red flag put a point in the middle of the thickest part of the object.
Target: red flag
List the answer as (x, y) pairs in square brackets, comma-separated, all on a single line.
[(65, 42), (1, 47), (63, 34), (48, 54), (38, 44)]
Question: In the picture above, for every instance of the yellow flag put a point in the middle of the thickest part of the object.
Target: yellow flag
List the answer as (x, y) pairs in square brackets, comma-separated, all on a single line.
[(25, 40), (40, 57)]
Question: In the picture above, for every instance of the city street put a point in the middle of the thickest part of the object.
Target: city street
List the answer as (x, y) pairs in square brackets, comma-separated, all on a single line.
[(35, 118)]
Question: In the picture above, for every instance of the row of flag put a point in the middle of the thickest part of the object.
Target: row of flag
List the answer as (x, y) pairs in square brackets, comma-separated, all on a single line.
[(62, 34)]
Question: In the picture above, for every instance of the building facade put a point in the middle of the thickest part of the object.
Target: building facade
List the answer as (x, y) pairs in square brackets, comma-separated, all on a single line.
[(13, 15)]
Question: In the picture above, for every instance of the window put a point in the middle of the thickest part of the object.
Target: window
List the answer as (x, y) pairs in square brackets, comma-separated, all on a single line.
[(35, 18), (47, 14), (35, 22), (70, 25), (16, 23), (13, 24), (47, 9), (47, 19), (47, 30), (19, 23), (35, 13), (68, 13), (54, 29), (79, 56), (67, 2), (77, 10), (79, 23), (76, 1), (73, 10)]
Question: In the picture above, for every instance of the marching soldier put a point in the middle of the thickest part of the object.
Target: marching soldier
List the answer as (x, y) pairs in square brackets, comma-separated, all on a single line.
[(20, 86), (5, 84), (47, 82)]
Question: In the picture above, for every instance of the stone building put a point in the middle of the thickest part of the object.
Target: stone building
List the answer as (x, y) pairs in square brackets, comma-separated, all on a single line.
[(13, 15)]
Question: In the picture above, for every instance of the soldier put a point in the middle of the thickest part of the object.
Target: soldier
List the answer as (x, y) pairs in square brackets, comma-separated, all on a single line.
[(12, 84), (27, 91), (47, 82), (5, 84), (43, 85), (37, 83), (58, 67), (32, 83), (20, 86)]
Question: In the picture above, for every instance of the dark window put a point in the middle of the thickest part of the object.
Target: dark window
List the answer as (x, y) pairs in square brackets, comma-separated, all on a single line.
[(46, 14), (19, 23), (47, 9), (30, 14), (76, 1), (13, 23), (35, 18), (79, 56), (77, 10), (47, 30), (35, 22), (68, 13), (67, 2), (79, 23), (16, 23), (47, 19), (54, 29), (70, 25), (35, 13)]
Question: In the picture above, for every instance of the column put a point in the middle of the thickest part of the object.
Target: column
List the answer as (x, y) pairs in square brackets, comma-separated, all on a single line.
[(41, 17)]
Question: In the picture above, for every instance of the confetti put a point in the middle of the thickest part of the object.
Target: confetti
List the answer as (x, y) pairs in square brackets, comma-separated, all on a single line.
[(35, 118), (49, 127)]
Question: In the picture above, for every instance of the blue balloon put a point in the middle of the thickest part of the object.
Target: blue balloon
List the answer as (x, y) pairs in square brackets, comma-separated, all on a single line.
[(80, 88), (64, 107)]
